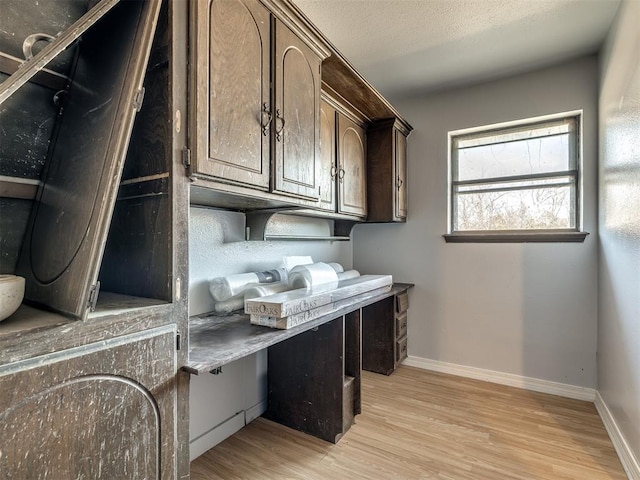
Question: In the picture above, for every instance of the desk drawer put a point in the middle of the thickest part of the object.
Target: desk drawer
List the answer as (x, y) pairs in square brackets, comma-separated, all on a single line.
[(402, 302), (401, 325), (401, 349)]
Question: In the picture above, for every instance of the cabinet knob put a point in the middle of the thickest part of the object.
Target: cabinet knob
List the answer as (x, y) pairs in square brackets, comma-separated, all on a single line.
[(341, 174), (266, 112), (333, 173), (279, 130), (399, 183)]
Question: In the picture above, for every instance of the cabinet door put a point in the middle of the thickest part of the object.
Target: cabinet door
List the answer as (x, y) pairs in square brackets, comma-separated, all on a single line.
[(352, 171), (67, 231), (296, 120), (328, 169), (232, 68), (401, 175), (104, 410)]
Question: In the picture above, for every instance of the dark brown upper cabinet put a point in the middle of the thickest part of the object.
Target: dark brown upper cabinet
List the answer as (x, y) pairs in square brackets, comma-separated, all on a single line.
[(256, 87), (295, 125), (343, 145), (233, 112), (387, 171)]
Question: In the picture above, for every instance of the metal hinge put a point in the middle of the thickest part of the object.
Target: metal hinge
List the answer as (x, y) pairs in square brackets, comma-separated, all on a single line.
[(186, 157), (138, 99), (177, 341), (93, 297)]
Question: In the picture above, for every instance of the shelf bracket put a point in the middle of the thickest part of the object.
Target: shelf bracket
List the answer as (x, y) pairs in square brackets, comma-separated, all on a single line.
[(257, 228)]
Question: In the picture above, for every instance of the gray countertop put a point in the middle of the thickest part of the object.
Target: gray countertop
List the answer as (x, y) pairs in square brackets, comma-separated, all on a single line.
[(216, 340)]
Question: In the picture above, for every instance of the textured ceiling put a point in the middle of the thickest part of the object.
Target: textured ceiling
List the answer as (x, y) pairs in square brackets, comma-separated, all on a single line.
[(408, 46)]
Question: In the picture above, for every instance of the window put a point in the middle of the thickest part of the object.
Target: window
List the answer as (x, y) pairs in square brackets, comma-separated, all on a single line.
[(516, 182)]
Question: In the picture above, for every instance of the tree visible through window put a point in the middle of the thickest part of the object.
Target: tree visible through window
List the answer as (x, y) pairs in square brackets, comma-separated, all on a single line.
[(520, 178)]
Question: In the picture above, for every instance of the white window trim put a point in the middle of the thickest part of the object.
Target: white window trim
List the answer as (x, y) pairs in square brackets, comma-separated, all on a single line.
[(576, 234)]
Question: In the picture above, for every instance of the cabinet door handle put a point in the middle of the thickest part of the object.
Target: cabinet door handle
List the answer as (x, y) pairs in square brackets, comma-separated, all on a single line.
[(341, 174), (31, 40), (279, 130), (334, 171), (266, 112), (399, 183)]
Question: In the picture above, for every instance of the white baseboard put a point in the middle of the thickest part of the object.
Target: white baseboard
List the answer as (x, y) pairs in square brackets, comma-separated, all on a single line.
[(629, 462), (210, 439), (250, 414), (217, 434), (527, 383)]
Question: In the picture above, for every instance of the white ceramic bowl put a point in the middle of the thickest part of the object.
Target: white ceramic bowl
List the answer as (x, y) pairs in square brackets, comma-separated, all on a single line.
[(11, 294)]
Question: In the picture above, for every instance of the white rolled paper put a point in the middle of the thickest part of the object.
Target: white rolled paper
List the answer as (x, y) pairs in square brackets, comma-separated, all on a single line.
[(307, 276), (336, 266), (293, 261), (257, 291), (228, 306), (225, 288), (348, 274)]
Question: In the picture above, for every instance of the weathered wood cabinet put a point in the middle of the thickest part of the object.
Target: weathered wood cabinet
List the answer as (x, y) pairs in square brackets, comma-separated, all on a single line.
[(232, 92), (256, 87), (384, 332), (387, 171), (102, 410), (314, 379), (343, 149), (297, 101), (90, 218), (103, 131)]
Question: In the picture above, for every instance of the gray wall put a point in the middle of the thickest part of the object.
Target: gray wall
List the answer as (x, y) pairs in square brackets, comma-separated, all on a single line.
[(523, 309), (619, 268)]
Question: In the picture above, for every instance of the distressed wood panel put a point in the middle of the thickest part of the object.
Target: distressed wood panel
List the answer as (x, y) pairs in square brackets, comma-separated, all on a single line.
[(233, 91), (32, 332), (378, 336), (305, 381), (105, 410), (27, 119), (386, 171), (401, 175), (353, 357), (297, 91), (137, 257), (352, 167), (328, 170), (149, 150), (61, 254), (14, 215)]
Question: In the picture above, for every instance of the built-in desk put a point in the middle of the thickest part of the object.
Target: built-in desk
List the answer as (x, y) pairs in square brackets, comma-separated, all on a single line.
[(313, 369)]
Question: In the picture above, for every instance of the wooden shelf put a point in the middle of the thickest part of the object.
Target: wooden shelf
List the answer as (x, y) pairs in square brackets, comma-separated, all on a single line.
[(31, 319), (43, 77)]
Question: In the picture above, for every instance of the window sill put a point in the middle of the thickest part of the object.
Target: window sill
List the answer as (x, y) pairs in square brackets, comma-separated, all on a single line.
[(515, 237)]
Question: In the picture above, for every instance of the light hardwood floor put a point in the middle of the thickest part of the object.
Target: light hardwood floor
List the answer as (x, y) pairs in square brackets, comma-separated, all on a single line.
[(424, 425)]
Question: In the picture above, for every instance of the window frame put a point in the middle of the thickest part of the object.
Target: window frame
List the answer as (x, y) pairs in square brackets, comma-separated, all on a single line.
[(575, 234)]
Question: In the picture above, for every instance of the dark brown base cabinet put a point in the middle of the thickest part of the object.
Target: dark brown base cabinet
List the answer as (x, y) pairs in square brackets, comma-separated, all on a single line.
[(384, 332), (102, 410), (314, 379)]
